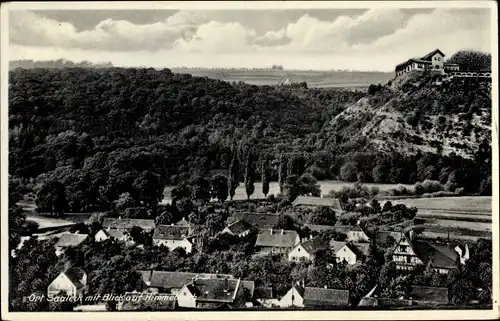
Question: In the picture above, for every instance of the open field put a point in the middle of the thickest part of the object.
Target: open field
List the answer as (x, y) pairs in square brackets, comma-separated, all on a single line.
[(452, 216), (476, 226), (326, 186), (470, 205), (318, 79)]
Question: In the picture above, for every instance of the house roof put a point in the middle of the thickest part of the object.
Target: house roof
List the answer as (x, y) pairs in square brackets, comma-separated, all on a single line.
[(128, 223), (114, 233), (263, 293), (428, 293), (176, 280), (136, 301), (183, 222), (432, 53), (257, 219), (250, 286), (441, 255), (69, 239), (325, 297), (381, 236), (239, 227), (361, 249), (318, 201), (275, 238), (146, 276), (314, 245), (75, 275), (170, 232), (336, 245), (215, 290), (299, 288)]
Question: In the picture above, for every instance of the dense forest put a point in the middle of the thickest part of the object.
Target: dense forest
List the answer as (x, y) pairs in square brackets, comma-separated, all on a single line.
[(99, 133)]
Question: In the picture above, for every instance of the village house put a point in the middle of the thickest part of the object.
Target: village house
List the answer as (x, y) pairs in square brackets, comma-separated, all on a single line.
[(410, 252), (173, 236), (212, 294), (384, 238), (307, 250), (310, 201), (357, 234), (312, 297), (433, 61), (172, 282), (239, 228), (419, 295), (71, 282), (350, 253), (125, 224), (69, 240), (259, 220), (276, 241), (104, 235)]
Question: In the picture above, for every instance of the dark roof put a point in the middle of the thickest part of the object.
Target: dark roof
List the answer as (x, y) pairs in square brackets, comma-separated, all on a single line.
[(360, 249), (257, 219), (239, 227), (250, 286), (300, 289), (263, 293), (313, 245), (381, 236), (275, 238), (325, 297), (176, 280), (171, 232), (128, 223), (69, 239), (75, 275), (432, 53), (318, 201), (114, 233), (150, 302), (336, 245), (429, 294), (441, 255), (215, 290), (409, 61)]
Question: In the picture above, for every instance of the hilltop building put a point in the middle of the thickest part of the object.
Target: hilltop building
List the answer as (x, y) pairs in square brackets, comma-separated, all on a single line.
[(433, 61)]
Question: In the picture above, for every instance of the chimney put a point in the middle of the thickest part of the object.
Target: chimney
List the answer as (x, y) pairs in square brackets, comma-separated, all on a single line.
[(310, 237), (171, 224), (281, 231), (411, 235), (119, 217), (325, 286), (271, 232)]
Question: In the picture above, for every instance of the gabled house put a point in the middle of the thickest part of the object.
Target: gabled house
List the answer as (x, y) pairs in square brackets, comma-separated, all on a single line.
[(351, 253), (125, 224), (433, 61), (307, 250), (300, 296), (118, 235), (71, 282), (173, 236), (410, 252), (357, 234), (69, 240), (172, 282), (212, 294), (310, 201), (240, 228), (276, 241)]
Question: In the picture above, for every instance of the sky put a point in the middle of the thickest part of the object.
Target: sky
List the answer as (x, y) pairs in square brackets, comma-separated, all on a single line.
[(319, 39)]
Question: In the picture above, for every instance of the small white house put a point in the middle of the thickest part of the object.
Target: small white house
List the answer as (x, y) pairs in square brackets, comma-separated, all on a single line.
[(293, 298), (239, 228), (307, 250), (173, 236), (351, 253), (71, 282), (356, 234), (104, 235)]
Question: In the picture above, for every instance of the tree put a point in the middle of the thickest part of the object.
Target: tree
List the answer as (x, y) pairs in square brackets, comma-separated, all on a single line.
[(136, 233), (219, 188), (375, 205), (348, 172), (292, 187), (322, 215), (233, 179), (285, 222), (282, 172), (471, 60), (265, 176), (148, 188), (124, 201), (201, 189), (52, 198), (309, 185), (249, 175)]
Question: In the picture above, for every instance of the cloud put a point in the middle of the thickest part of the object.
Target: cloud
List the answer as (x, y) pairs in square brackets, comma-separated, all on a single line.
[(374, 39)]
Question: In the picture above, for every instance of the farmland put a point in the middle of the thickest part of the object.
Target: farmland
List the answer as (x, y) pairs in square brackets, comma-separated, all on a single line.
[(464, 218), (318, 79)]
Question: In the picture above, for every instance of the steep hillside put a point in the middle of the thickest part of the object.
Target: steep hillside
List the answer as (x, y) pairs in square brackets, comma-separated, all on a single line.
[(422, 113)]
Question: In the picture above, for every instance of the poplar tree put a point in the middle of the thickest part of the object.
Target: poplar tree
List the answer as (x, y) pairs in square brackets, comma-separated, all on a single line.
[(282, 172), (249, 175), (234, 169), (265, 176)]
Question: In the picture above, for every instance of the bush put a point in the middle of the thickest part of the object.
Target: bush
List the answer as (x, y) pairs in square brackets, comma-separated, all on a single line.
[(432, 186)]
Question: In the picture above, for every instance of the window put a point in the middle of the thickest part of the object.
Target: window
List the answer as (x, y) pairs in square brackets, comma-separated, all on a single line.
[(402, 248), (298, 249), (408, 259)]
